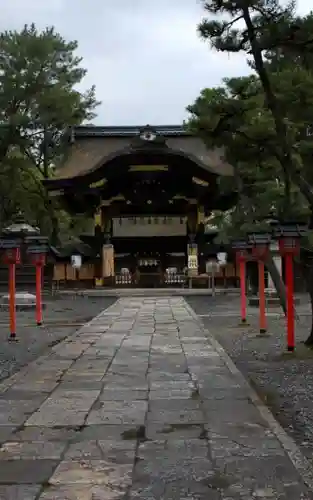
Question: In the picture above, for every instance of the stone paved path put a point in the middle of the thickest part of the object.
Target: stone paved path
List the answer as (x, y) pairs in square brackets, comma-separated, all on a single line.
[(138, 404)]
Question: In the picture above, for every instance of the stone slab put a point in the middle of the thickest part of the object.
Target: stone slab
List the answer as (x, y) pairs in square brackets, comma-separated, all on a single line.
[(30, 471), (148, 292), (23, 301), (142, 403), (88, 471), (36, 450), (87, 492), (22, 492)]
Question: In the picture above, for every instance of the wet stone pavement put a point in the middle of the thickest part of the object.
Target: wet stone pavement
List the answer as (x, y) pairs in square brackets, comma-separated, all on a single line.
[(138, 404)]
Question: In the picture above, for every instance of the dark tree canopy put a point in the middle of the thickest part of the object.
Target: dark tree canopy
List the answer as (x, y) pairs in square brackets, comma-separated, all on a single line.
[(39, 75), (265, 30)]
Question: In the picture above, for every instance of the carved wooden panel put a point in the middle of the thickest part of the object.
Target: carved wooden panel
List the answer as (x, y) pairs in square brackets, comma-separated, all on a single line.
[(59, 271), (70, 273), (107, 261), (149, 226), (87, 272)]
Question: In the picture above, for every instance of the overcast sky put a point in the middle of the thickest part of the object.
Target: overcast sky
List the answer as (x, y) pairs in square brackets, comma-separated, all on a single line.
[(144, 56)]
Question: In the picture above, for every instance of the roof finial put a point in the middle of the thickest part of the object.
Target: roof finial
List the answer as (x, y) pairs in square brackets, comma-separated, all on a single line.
[(19, 217), (148, 134)]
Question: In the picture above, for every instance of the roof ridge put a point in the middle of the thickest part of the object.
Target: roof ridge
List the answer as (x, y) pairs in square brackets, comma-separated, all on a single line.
[(126, 130)]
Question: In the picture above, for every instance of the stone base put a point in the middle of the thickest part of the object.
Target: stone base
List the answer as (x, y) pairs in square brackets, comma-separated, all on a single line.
[(147, 292), (24, 301), (271, 300), (271, 292)]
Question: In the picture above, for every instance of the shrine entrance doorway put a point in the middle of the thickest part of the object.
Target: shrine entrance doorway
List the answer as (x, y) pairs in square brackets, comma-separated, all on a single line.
[(149, 273)]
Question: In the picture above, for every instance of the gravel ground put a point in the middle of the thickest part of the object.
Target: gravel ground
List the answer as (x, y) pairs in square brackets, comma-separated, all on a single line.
[(284, 381), (62, 317)]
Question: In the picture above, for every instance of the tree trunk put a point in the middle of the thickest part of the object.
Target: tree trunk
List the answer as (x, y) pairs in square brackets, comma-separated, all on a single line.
[(306, 258), (252, 278), (309, 340), (285, 151), (55, 229), (307, 269), (277, 280)]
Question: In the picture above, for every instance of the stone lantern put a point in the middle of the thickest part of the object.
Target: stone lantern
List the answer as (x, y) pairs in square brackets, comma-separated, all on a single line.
[(260, 243), (32, 249)]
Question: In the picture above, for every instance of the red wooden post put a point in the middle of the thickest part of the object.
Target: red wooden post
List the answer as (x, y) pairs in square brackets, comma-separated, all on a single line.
[(38, 294), (242, 272), (262, 310), (289, 234), (289, 245), (12, 305), (290, 302)]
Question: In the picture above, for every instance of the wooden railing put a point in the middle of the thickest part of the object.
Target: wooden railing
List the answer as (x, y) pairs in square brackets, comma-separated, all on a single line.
[(65, 275), (175, 279), (123, 279)]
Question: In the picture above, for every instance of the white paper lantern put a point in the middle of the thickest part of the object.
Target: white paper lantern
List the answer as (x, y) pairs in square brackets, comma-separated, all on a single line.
[(76, 261), (222, 258)]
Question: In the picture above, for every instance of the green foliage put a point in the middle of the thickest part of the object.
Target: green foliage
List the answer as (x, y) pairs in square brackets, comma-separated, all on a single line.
[(38, 99), (39, 74), (239, 24), (261, 120), (234, 117)]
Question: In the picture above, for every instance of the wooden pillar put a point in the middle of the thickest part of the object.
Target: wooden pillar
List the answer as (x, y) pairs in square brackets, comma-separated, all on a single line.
[(201, 215), (103, 228), (98, 236), (106, 218), (201, 230), (108, 268), (192, 247)]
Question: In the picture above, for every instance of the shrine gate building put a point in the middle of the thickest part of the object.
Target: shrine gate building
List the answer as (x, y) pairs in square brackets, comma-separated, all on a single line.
[(148, 191)]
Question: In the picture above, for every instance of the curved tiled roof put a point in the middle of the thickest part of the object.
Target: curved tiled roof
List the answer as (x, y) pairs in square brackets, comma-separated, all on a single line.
[(92, 147)]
